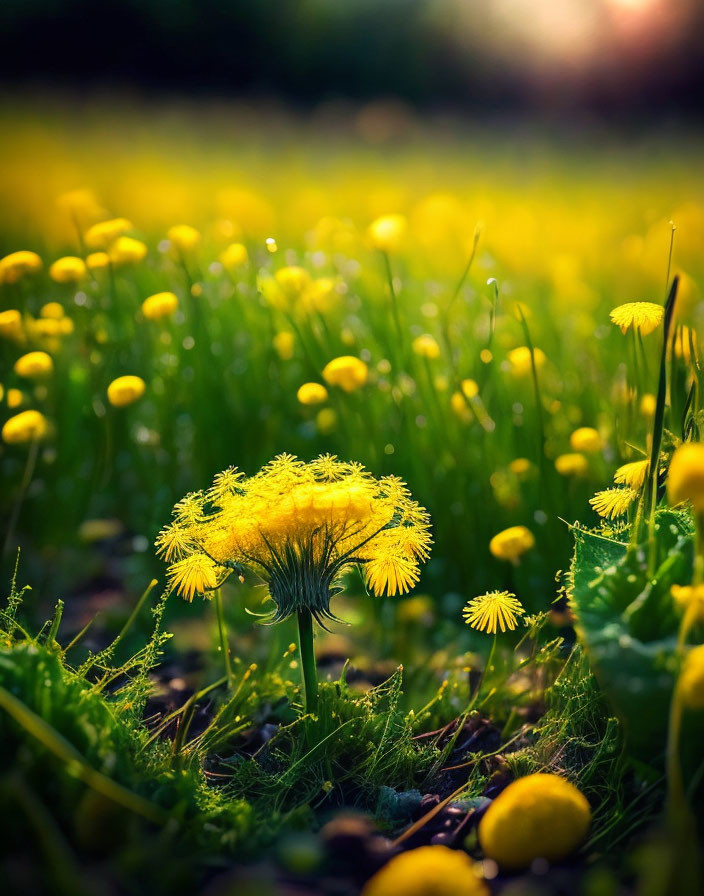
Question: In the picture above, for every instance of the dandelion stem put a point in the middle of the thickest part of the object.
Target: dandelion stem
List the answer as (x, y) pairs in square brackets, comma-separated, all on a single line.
[(222, 631), (24, 485), (305, 643), (394, 303)]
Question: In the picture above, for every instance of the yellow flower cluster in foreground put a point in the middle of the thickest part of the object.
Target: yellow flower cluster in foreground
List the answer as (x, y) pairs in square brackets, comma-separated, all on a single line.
[(298, 526)]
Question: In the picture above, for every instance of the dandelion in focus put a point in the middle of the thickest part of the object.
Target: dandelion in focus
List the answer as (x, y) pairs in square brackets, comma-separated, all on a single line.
[(642, 316), (493, 611), (613, 502)]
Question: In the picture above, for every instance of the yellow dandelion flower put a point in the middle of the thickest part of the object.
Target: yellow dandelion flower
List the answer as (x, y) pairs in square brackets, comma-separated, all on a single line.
[(27, 426), (69, 269), (283, 344), (428, 871), (685, 478), (347, 372), (520, 360), (97, 261), (16, 265), (293, 281), (125, 390), (15, 398), (571, 464), (174, 543), (613, 502), (103, 234), (312, 393), (52, 311), (11, 325), (642, 316), (127, 250), (387, 233), (161, 304), (194, 574), (34, 365), (391, 575), (426, 346), (632, 474), (183, 237), (586, 439), (494, 610), (234, 257), (512, 543)]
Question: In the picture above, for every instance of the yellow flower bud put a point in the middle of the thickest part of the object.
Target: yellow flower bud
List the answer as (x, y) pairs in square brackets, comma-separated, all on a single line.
[(347, 372), (161, 304), (68, 269), (312, 393), (125, 390), (14, 266), (685, 478), (34, 365), (27, 426)]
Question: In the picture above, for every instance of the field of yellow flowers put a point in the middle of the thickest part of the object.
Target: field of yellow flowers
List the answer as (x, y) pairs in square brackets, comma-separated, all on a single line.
[(344, 389)]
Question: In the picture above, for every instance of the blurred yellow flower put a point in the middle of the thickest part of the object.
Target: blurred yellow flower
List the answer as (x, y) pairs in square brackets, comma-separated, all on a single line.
[(103, 234), (11, 325), (648, 403), (493, 611), (685, 478), (326, 420), (691, 680), (15, 398), (320, 296), (520, 360), (426, 346), (52, 311), (312, 393), (512, 543), (347, 372), (428, 871), (161, 304), (125, 390), (586, 439), (388, 232), (233, 257), (96, 261), (690, 599), (643, 316), (69, 269), (27, 426), (538, 816), (34, 365), (520, 466), (292, 281), (571, 464), (127, 250), (14, 266), (283, 344), (183, 237)]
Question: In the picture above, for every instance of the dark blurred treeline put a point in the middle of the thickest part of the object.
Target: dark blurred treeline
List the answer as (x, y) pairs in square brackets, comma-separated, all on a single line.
[(306, 52)]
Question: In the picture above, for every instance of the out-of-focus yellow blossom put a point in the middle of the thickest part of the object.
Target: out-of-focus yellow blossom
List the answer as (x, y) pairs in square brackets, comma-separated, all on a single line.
[(426, 346), (571, 464), (69, 269), (685, 341), (512, 543), (632, 474), (419, 608), (461, 400), (234, 257), (283, 344), (486, 356), (312, 393), (685, 478), (690, 599), (493, 611), (11, 325), (586, 439), (52, 311), (321, 296), (91, 531), (183, 237), (103, 234), (691, 680), (648, 403), (97, 261), (125, 390), (428, 871), (387, 233), (688, 295), (127, 250), (28, 426), (14, 266), (347, 372), (519, 359), (540, 816), (643, 316), (520, 466), (161, 304), (293, 281), (613, 502), (326, 420), (81, 205), (34, 365), (15, 398)]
